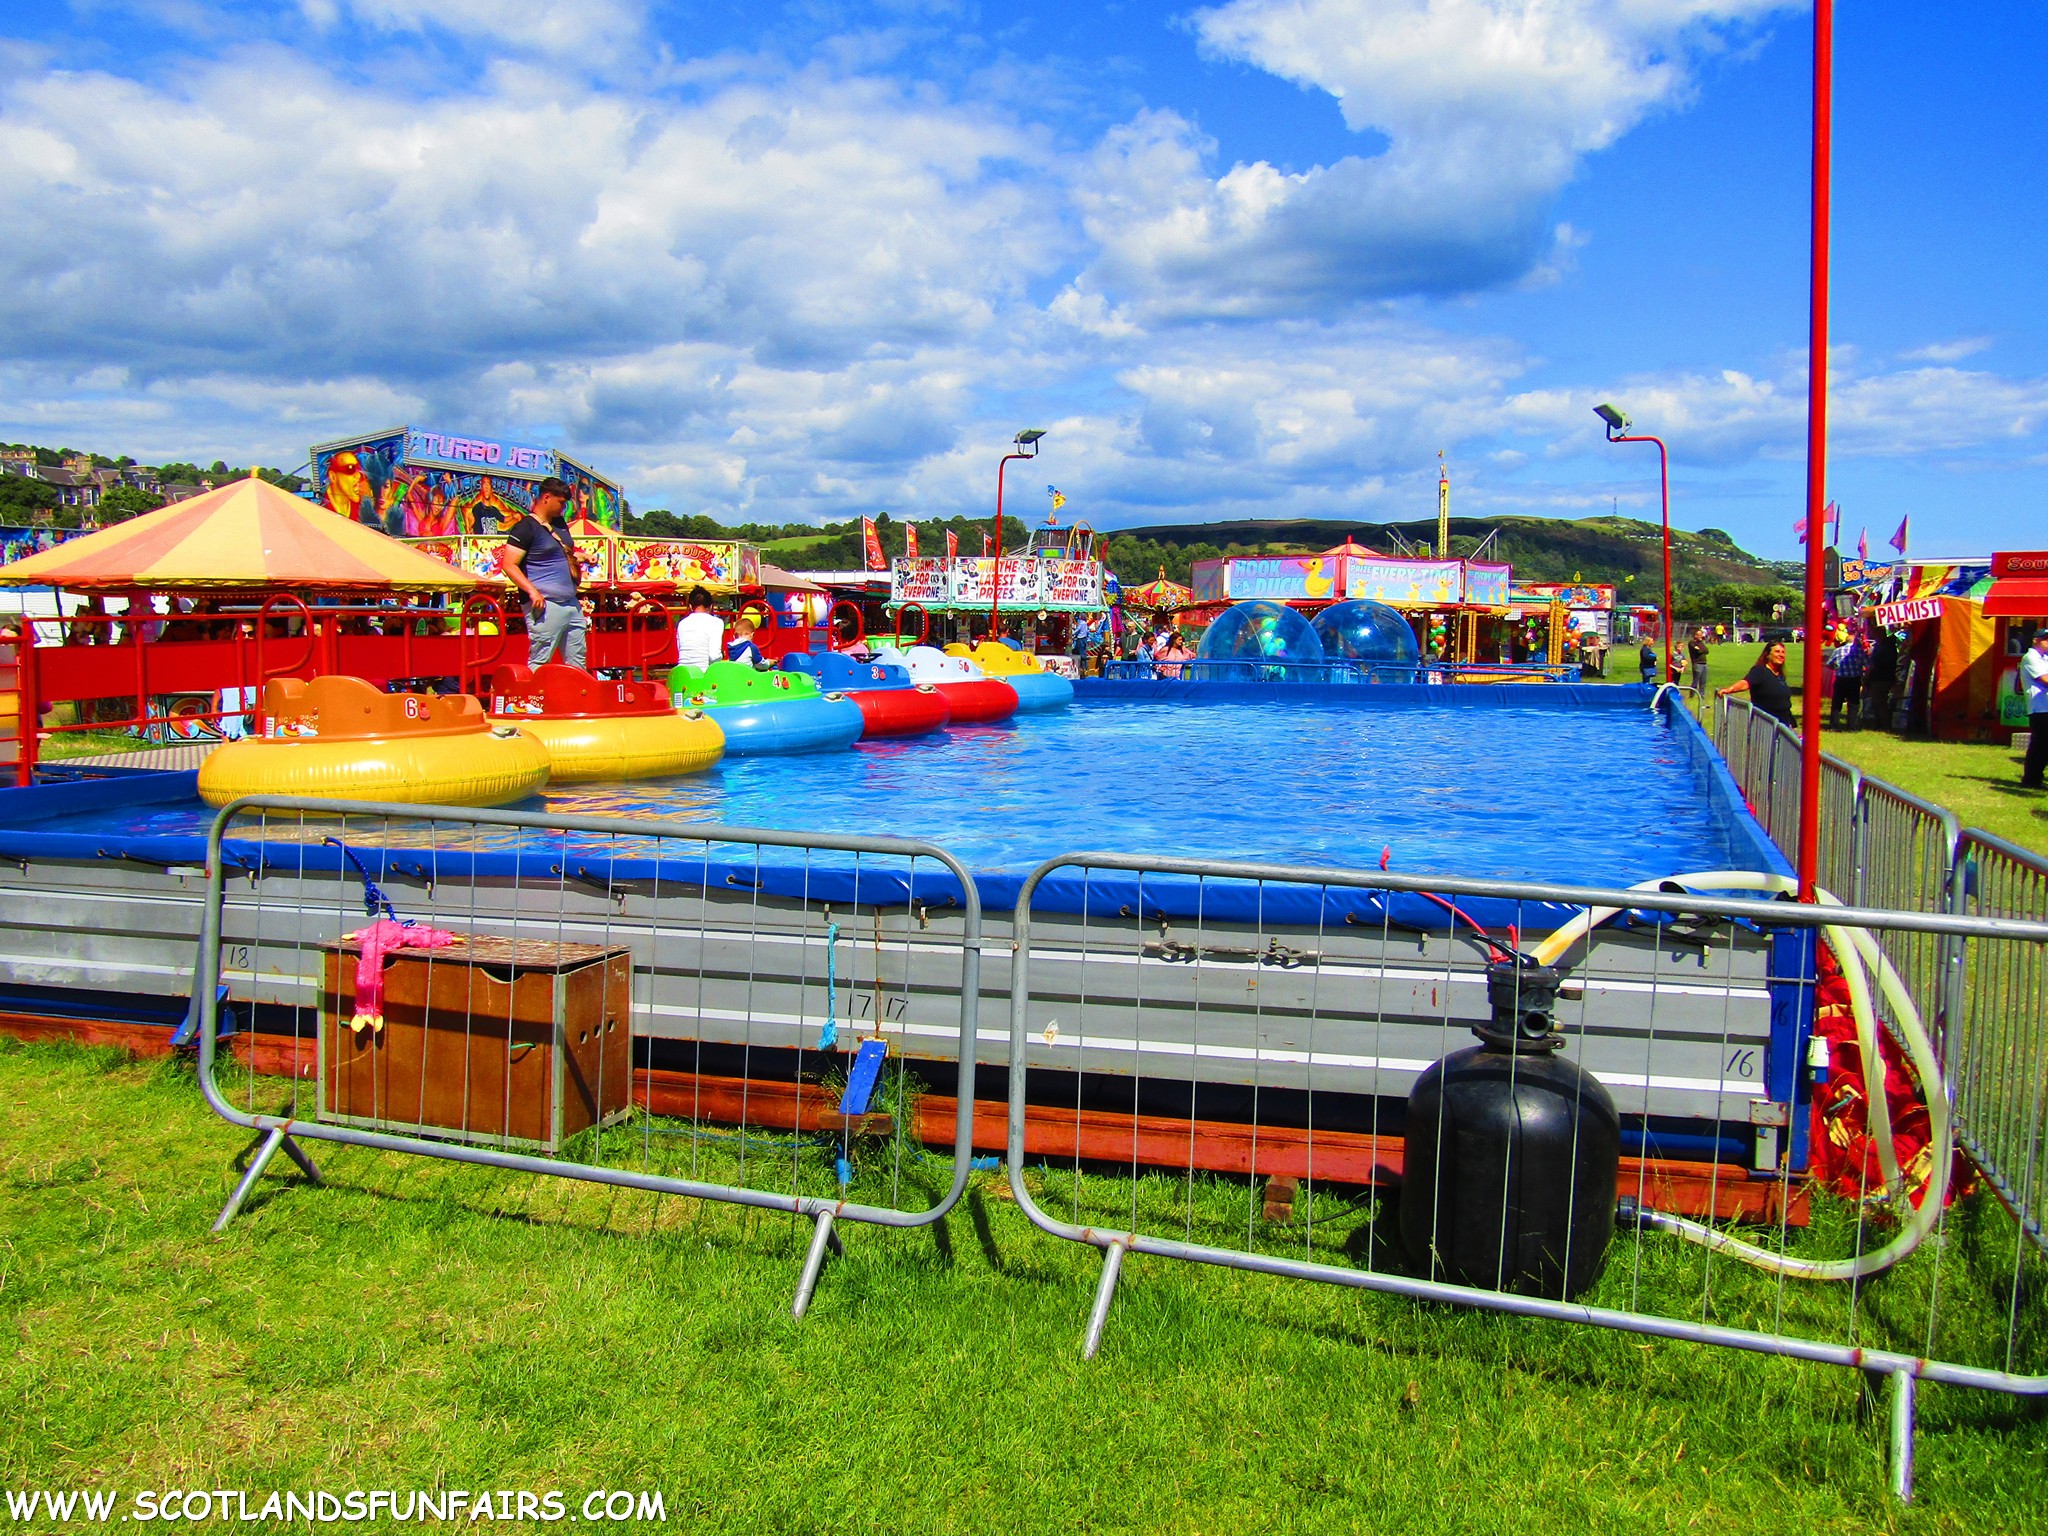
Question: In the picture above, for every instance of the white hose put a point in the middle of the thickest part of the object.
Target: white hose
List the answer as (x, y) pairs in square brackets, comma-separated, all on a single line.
[(1854, 950)]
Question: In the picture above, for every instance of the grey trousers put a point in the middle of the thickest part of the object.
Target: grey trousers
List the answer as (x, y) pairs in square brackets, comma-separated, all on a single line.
[(560, 625)]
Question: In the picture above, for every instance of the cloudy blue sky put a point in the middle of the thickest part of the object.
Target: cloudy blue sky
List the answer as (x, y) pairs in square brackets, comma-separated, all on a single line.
[(1260, 258)]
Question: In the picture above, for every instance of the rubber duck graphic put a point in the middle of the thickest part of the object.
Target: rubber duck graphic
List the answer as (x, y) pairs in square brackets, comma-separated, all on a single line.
[(1313, 581)]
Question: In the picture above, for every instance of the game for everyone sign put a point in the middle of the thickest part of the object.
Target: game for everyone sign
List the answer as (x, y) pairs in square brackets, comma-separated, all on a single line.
[(919, 581)]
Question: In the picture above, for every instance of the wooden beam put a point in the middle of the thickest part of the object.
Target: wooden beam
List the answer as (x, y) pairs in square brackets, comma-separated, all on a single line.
[(1724, 1192)]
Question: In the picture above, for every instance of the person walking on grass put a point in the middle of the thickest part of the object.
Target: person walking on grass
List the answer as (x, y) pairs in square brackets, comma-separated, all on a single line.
[(2034, 675), (1765, 684), (1851, 663), (1696, 651)]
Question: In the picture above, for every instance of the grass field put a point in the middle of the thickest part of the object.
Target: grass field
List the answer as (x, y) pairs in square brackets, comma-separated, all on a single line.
[(1981, 784), (60, 745), (416, 1324)]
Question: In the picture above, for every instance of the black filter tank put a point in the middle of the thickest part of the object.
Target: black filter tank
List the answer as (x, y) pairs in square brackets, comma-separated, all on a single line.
[(1512, 1153)]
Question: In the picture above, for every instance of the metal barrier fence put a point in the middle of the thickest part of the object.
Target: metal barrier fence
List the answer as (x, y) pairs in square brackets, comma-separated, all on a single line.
[(1998, 1030), (1879, 845), (1284, 1016), (585, 997)]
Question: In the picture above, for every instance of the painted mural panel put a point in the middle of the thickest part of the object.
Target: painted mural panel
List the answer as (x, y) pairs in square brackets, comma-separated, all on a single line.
[(592, 496), (372, 483), (1283, 578), (419, 484), (687, 563), (1407, 583), (1487, 585)]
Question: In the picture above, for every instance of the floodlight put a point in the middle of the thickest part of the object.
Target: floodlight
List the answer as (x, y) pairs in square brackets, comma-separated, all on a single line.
[(1616, 421)]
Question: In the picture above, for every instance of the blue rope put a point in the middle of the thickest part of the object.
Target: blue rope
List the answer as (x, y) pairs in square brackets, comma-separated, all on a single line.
[(828, 1037), (373, 898)]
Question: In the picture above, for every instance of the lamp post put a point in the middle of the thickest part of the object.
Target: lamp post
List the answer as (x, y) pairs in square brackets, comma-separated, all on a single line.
[(1027, 443), (1617, 432)]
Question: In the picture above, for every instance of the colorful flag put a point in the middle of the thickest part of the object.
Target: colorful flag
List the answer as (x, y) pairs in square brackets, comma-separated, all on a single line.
[(952, 545), (1059, 498), (1830, 525), (873, 540), (910, 540), (988, 545), (1863, 545), (1899, 538)]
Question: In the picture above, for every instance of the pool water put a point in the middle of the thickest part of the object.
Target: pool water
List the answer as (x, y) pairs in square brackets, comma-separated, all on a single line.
[(1599, 795)]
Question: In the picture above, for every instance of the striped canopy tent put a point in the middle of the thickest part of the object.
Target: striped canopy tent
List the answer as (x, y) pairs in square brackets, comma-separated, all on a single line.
[(247, 536), (1160, 596), (1352, 549)]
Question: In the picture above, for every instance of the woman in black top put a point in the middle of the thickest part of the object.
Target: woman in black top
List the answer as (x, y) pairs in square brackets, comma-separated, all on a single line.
[(1765, 684)]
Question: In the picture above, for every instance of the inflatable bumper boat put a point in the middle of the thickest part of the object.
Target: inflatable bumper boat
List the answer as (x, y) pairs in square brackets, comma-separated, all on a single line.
[(767, 714), (341, 738), (890, 703), (598, 730), (1036, 687), (973, 697)]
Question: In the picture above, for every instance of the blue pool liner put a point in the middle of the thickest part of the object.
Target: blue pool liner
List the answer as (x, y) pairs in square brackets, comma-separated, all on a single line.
[(1102, 894)]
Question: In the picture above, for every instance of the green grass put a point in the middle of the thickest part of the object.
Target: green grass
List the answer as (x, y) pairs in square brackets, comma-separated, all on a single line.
[(63, 744), (1980, 783), (417, 1323), (796, 546)]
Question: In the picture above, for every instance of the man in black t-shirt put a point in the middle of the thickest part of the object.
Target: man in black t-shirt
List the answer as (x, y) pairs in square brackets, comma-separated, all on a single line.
[(1697, 653), (1765, 684), (540, 559)]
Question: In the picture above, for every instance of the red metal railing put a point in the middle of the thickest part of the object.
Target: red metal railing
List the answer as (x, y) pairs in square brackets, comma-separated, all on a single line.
[(143, 657), (924, 624)]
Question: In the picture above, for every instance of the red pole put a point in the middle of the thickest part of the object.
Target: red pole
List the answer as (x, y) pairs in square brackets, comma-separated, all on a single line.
[(28, 703), (1664, 494), (995, 587), (1816, 449)]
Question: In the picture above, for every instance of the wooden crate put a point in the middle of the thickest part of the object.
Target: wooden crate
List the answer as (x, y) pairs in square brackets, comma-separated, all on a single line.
[(511, 1043)]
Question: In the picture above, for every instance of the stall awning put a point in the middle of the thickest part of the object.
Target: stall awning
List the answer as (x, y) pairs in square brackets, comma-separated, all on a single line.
[(786, 581), (2019, 585), (2016, 597)]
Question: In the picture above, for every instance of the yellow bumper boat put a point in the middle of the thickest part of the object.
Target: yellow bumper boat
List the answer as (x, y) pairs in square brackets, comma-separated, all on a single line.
[(340, 738), (599, 730)]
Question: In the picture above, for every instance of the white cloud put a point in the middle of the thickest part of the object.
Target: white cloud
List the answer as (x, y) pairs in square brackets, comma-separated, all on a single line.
[(1734, 417), (805, 293), (1487, 108), (268, 213), (538, 26), (1949, 351)]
